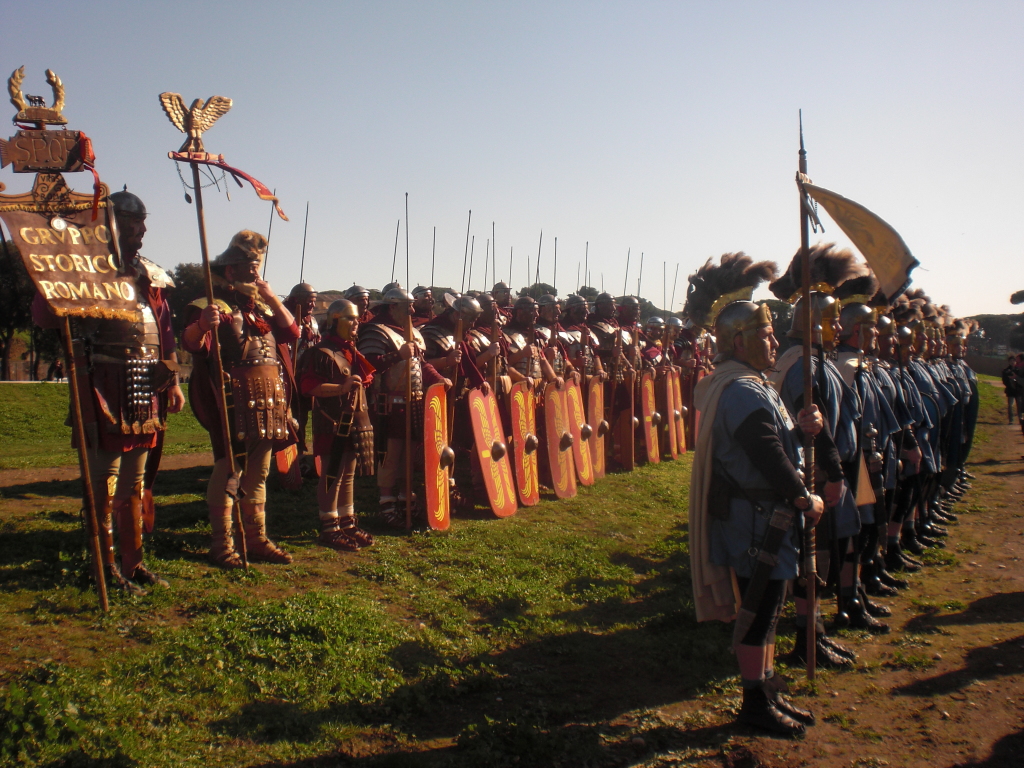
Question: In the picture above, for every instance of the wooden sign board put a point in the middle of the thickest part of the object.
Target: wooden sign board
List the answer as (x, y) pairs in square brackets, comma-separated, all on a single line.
[(70, 259)]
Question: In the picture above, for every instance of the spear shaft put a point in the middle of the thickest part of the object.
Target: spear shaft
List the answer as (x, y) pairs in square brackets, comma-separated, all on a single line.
[(218, 366), (433, 252), (554, 275), (625, 280), (472, 248), (465, 254), (407, 283), (394, 258), (305, 227), (639, 280), (536, 279), (810, 543), (674, 281)]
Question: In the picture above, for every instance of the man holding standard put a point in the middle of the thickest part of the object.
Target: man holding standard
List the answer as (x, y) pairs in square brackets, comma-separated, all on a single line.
[(748, 504)]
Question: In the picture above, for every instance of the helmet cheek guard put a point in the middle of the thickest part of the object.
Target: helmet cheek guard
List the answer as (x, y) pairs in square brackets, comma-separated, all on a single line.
[(743, 318)]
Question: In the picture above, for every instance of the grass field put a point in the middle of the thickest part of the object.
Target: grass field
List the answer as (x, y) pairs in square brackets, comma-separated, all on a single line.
[(33, 433), (526, 641)]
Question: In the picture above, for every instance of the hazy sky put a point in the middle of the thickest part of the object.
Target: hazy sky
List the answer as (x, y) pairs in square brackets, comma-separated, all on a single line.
[(665, 128)]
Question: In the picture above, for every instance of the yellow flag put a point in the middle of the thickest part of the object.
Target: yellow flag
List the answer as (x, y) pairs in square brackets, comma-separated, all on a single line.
[(880, 244)]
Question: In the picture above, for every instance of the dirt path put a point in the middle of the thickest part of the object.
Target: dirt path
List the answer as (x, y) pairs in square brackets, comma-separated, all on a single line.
[(15, 477), (946, 687)]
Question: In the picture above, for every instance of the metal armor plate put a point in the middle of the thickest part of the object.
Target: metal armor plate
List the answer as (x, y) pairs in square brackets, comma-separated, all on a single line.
[(259, 403), (490, 448)]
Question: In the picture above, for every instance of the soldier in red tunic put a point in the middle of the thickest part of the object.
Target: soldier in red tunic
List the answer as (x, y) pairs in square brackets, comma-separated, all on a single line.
[(130, 383), (336, 375), (254, 329)]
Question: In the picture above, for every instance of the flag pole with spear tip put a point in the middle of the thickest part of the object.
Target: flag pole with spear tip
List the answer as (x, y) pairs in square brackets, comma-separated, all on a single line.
[(200, 116), (810, 543)]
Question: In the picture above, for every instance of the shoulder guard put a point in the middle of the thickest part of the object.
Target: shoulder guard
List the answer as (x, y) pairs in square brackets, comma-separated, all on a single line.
[(201, 303), (375, 339), (517, 340), (156, 274), (437, 338), (544, 332)]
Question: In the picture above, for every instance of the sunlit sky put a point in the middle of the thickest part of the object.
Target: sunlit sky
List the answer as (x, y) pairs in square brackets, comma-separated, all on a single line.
[(668, 129)]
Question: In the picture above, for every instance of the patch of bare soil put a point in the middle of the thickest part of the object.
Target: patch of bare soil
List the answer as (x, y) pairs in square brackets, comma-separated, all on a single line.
[(946, 687)]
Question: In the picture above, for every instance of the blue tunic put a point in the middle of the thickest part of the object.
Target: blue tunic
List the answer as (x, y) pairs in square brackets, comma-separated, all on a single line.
[(734, 540)]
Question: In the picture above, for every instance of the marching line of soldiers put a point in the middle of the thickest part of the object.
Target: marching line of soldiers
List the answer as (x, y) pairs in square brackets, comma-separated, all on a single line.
[(892, 422), (477, 399)]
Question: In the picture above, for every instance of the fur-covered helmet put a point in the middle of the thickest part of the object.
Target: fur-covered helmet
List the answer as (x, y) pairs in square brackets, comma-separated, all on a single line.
[(246, 247)]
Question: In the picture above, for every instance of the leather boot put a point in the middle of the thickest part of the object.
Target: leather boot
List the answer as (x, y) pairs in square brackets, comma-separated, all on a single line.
[(350, 526), (826, 657), (872, 583), (258, 547), (874, 609), (861, 619), (774, 687), (759, 712), (332, 535), (106, 531), (910, 543), (891, 581), (129, 532), (222, 549)]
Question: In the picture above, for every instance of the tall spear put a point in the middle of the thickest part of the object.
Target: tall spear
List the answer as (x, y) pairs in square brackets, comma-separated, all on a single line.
[(270, 227), (664, 284), (472, 248), (302, 265), (810, 543), (394, 258), (674, 281), (536, 279), (408, 285), (487, 262), (554, 274), (218, 368), (586, 264), (639, 280), (433, 252), (465, 254), (625, 280)]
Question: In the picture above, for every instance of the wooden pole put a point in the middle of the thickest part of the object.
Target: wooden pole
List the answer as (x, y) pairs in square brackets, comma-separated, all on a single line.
[(536, 278), (305, 227), (674, 281), (810, 543), (218, 365), (92, 528), (554, 274), (639, 279), (433, 253), (465, 254), (487, 262), (586, 264), (408, 284), (472, 248), (394, 258), (625, 280), (408, 424)]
